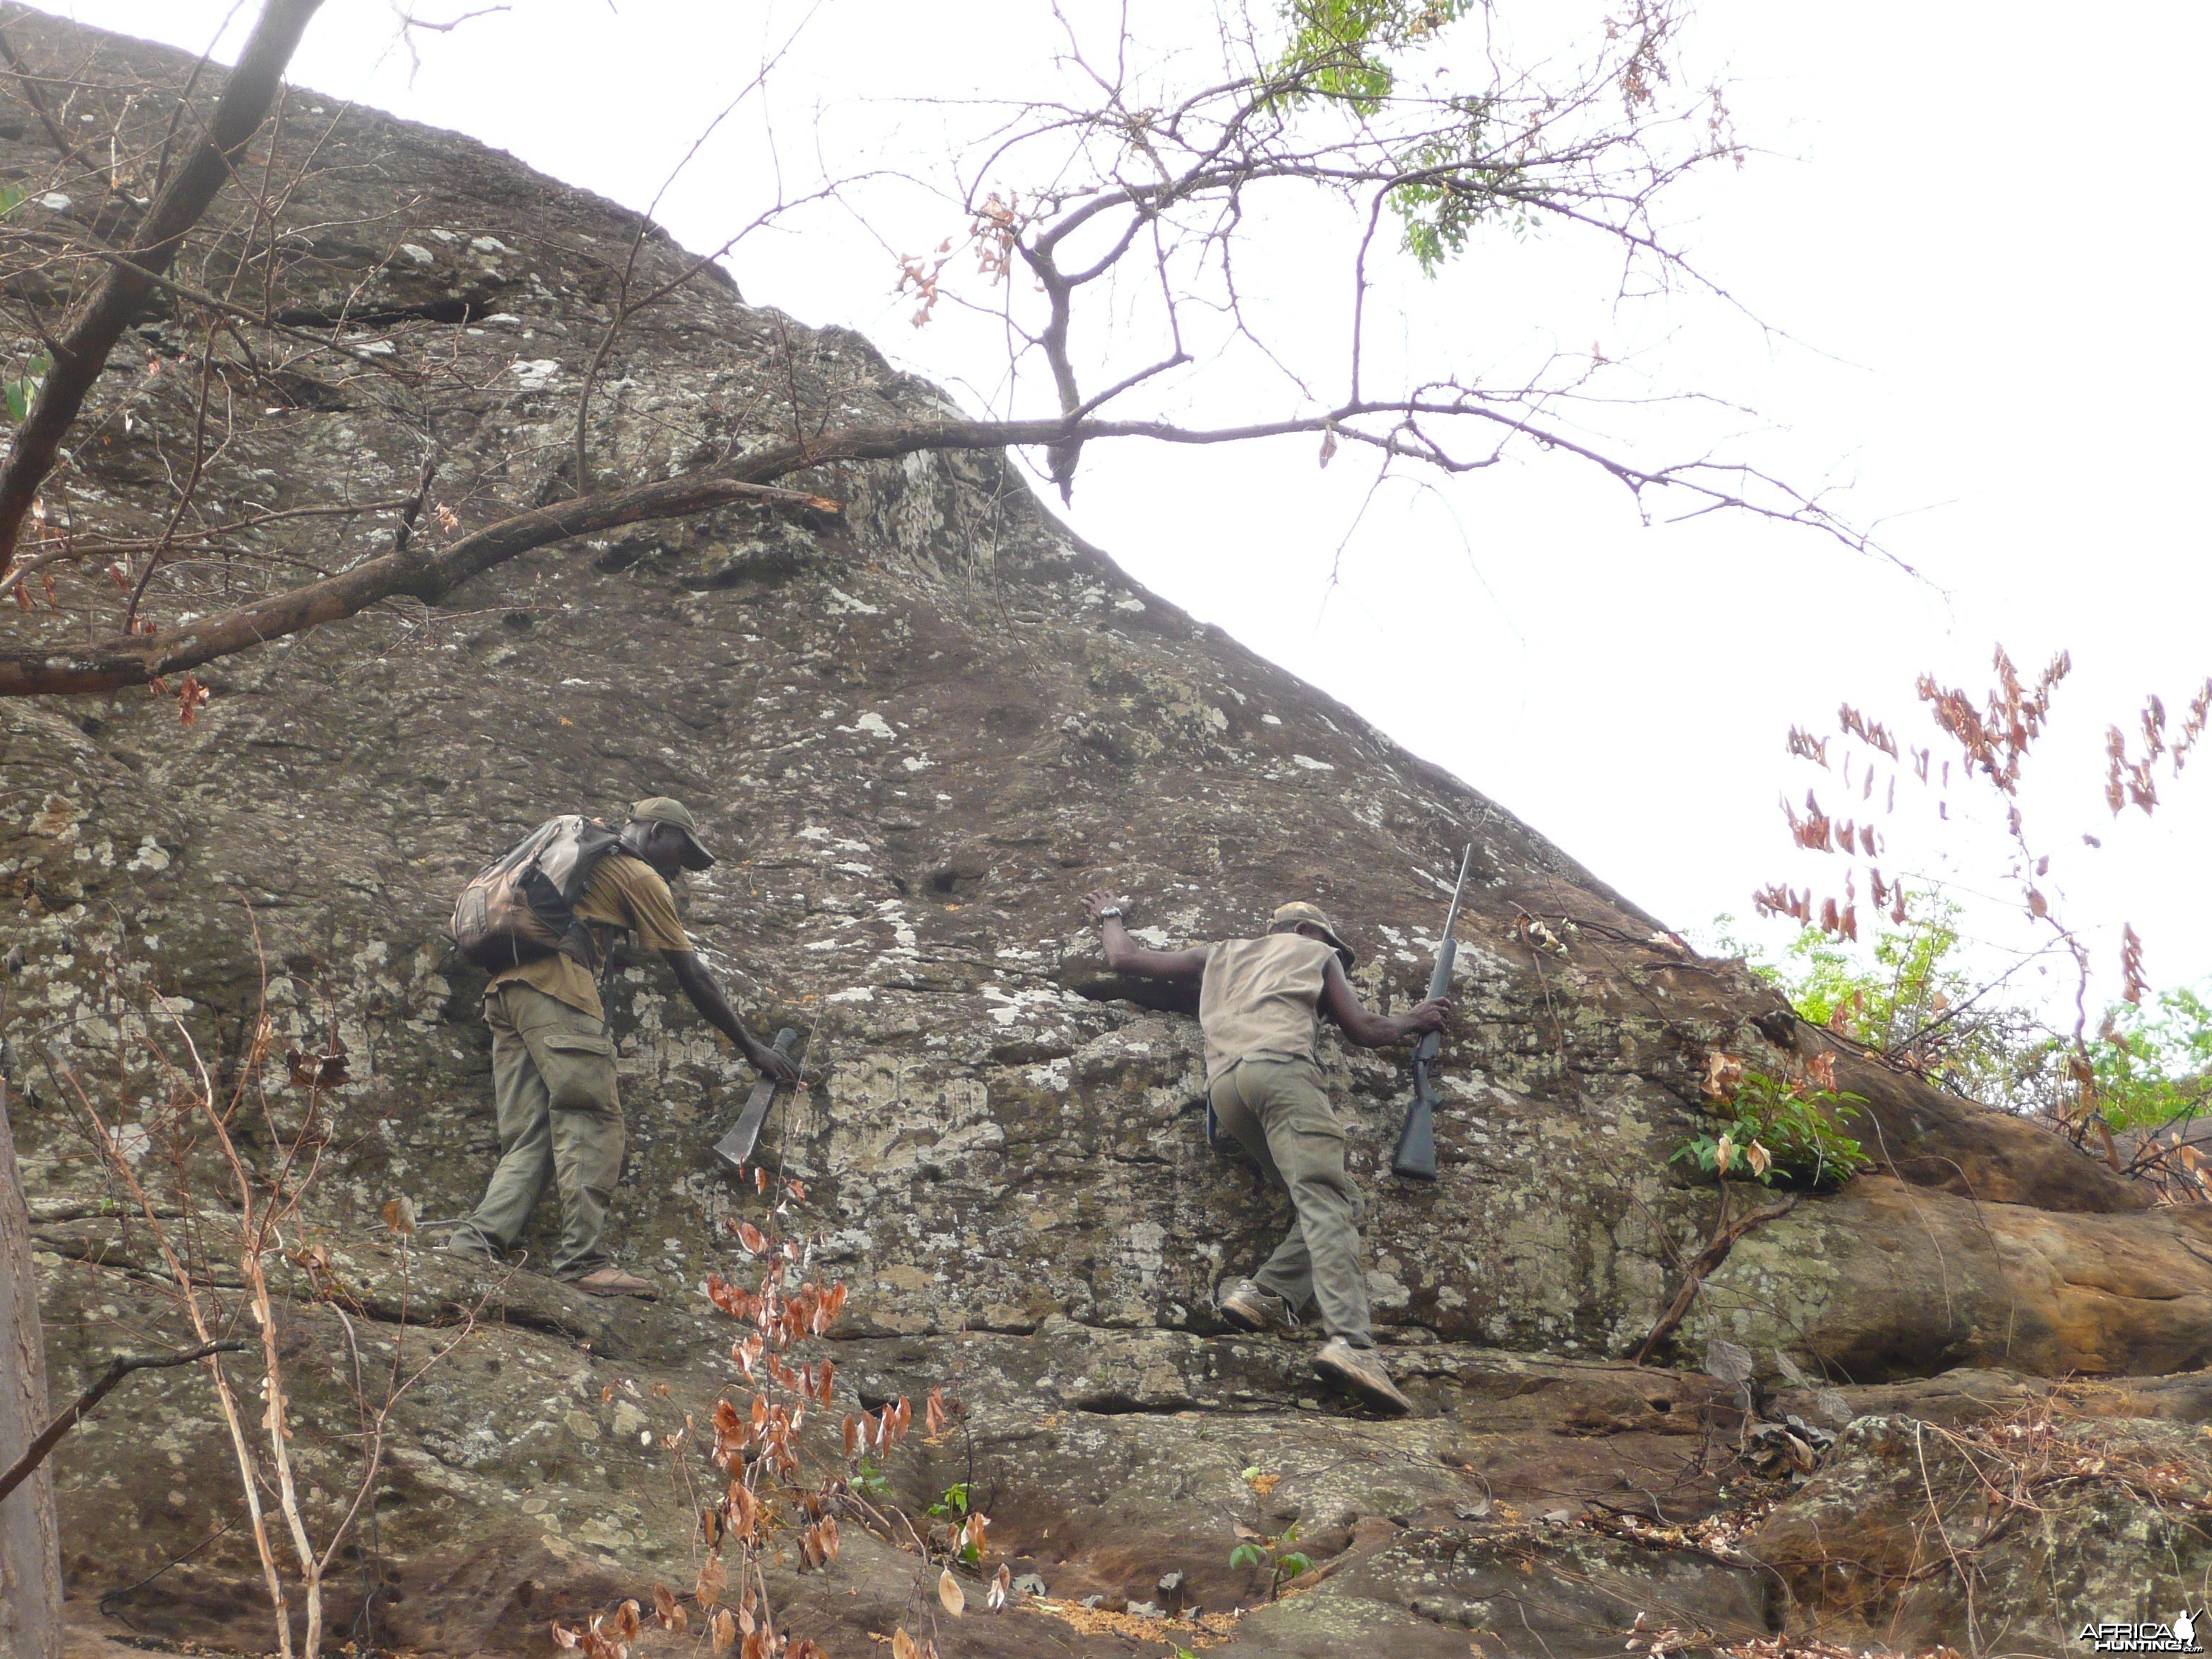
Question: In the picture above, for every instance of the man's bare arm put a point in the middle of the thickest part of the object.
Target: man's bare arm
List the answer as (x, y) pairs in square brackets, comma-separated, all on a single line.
[(1370, 1029), (1125, 955), (706, 997)]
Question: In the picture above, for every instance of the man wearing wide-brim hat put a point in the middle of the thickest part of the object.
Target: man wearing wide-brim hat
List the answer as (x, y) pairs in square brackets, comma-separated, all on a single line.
[(1260, 1002), (553, 1062)]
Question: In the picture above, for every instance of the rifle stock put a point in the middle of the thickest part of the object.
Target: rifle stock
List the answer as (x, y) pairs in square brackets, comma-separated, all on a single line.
[(1415, 1157)]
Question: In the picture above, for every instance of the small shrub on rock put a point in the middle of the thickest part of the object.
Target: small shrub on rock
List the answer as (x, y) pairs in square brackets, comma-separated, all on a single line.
[(1780, 1134)]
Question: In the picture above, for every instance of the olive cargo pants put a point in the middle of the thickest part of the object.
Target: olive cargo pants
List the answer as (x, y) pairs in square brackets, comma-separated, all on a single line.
[(1277, 1109), (553, 1086)]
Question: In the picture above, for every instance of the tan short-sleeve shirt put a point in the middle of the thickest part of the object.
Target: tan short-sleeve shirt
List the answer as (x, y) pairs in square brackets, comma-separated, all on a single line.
[(1261, 996), (623, 892)]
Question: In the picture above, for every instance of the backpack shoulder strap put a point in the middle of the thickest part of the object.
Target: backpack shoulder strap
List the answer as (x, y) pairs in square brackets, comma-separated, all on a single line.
[(595, 841)]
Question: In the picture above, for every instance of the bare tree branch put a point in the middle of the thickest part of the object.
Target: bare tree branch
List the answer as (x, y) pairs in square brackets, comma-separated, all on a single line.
[(1131, 197), (82, 349), (35, 1453)]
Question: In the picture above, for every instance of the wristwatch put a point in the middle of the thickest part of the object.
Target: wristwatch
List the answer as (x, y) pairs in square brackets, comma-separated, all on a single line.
[(1113, 910)]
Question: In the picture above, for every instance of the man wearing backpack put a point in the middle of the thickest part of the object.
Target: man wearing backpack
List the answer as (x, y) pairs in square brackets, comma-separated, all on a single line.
[(552, 1060), (1258, 1005)]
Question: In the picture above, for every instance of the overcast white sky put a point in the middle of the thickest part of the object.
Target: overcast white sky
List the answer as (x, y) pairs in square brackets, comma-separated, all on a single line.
[(1975, 231)]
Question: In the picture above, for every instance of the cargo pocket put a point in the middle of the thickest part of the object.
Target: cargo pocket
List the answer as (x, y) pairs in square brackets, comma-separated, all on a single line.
[(579, 1071)]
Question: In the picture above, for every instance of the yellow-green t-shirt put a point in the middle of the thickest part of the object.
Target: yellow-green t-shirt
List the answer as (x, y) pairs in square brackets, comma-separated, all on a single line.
[(623, 892)]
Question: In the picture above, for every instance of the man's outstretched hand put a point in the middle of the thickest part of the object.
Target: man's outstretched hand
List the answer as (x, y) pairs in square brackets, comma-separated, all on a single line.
[(1099, 899), (769, 1064)]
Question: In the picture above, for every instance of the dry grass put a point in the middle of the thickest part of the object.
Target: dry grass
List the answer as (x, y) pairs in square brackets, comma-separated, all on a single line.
[(1206, 1630)]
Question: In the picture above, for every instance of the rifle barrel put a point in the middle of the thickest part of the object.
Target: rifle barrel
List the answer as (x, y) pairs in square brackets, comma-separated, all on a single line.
[(1447, 952), (1416, 1155)]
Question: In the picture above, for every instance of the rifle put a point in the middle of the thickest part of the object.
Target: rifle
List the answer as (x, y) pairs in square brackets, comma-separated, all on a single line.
[(1416, 1157)]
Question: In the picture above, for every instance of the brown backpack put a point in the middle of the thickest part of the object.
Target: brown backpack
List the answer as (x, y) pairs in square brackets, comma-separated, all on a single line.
[(522, 906)]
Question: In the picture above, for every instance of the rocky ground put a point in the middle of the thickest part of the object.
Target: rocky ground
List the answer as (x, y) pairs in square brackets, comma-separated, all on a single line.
[(1534, 1505), (918, 729)]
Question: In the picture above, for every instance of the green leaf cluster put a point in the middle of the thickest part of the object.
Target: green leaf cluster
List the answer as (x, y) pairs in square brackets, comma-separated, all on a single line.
[(2153, 1063), (1283, 1563), (1795, 1127), (23, 389), (869, 1480), (952, 1508), (1458, 184), (1343, 52), (1909, 998), (954, 1504), (1340, 49), (1881, 999)]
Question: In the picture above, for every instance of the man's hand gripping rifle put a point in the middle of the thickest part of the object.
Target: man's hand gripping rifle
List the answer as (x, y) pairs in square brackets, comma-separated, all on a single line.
[(1416, 1157)]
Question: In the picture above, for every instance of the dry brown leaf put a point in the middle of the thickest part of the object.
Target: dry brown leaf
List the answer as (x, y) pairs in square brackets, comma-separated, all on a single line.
[(1724, 1072), (713, 1576), (949, 1592), (903, 1646)]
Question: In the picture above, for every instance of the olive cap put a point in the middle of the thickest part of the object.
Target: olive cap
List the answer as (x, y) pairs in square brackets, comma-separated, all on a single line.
[(1290, 915), (666, 809)]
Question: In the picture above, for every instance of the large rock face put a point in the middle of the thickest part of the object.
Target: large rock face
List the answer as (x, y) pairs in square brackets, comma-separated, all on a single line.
[(917, 730)]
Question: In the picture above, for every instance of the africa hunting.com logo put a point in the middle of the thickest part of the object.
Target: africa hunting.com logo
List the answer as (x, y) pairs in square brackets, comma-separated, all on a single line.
[(2120, 1637)]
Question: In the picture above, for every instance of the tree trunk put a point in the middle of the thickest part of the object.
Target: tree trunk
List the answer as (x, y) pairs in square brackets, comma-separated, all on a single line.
[(30, 1538)]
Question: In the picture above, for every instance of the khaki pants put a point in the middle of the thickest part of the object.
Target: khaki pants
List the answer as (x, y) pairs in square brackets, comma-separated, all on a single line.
[(553, 1085), (1279, 1113)]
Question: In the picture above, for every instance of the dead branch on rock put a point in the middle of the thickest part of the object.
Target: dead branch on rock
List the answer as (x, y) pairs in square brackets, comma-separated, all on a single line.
[(38, 1450), (1726, 1232)]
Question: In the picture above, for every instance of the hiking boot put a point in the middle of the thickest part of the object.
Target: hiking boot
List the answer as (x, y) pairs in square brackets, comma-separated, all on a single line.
[(1361, 1370), (611, 1280), (474, 1257), (1248, 1308)]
